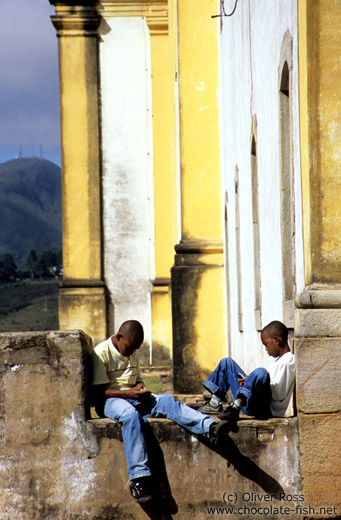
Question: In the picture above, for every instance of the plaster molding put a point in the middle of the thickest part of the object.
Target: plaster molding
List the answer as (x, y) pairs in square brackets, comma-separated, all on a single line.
[(155, 12), (65, 284), (199, 247), (319, 297), (75, 4), (161, 282), (76, 20)]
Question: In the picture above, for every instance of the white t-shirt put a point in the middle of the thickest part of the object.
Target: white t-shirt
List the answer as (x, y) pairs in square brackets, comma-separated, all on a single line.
[(110, 368), (282, 382)]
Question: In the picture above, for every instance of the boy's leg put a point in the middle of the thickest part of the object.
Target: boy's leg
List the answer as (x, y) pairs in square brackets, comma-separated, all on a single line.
[(132, 423), (257, 392), (252, 399), (225, 376), (167, 406)]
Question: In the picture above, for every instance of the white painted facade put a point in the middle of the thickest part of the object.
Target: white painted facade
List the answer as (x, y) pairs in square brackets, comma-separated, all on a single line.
[(128, 241), (251, 47)]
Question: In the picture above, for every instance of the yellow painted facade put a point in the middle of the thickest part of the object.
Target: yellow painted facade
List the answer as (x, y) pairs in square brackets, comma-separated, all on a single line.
[(320, 128), (210, 346), (80, 144), (188, 294), (199, 108), (187, 203), (165, 180), (82, 295), (198, 276), (319, 310), (186, 159)]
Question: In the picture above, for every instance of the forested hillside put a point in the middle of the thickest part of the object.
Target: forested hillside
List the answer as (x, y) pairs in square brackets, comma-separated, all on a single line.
[(30, 207)]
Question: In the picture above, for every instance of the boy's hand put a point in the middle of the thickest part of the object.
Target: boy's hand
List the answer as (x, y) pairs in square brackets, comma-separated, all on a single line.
[(242, 380), (138, 392)]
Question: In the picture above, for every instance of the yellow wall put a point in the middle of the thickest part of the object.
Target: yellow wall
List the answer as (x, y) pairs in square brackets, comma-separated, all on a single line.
[(81, 218), (198, 277), (317, 330), (182, 31), (164, 159), (82, 297), (200, 153), (165, 180), (320, 130)]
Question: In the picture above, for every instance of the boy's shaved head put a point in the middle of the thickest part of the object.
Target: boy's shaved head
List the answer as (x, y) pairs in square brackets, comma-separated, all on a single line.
[(133, 330), (276, 328)]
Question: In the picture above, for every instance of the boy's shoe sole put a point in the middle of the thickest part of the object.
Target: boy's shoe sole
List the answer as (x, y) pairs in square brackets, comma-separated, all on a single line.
[(229, 414), (221, 430), (140, 492)]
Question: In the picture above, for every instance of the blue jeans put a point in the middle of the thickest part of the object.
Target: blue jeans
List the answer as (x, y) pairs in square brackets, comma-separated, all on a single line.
[(256, 388), (132, 416)]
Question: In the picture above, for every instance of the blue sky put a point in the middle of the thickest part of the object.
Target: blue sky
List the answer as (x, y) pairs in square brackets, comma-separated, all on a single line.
[(29, 90)]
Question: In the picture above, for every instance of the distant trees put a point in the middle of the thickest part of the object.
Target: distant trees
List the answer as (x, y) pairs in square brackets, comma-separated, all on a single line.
[(31, 261), (44, 266), (8, 269)]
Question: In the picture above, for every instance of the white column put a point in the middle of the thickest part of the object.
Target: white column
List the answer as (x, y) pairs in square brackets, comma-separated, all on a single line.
[(125, 68)]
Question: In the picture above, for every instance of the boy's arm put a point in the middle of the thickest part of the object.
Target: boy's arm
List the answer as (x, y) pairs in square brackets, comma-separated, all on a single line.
[(138, 392), (100, 393)]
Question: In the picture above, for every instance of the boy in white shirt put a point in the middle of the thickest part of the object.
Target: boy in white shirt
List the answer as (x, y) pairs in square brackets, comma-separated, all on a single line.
[(263, 393)]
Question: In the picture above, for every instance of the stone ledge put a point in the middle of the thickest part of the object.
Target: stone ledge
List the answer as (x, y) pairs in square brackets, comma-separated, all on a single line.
[(261, 458), (167, 430)]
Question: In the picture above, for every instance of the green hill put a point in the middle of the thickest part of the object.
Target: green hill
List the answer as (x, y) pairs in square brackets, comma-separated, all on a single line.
[(30, 207), (29, 305)]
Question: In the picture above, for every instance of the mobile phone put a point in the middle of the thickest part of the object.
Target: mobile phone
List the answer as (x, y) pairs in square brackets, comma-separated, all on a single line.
[(240, 376)]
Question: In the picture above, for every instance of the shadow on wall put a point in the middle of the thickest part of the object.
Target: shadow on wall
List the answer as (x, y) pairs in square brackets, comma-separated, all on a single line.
[(188, 374), (163, 505)]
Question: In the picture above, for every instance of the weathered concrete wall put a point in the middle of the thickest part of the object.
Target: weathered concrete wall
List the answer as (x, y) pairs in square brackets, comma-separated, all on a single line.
[(45, 471), (262, 459), (55, 464)]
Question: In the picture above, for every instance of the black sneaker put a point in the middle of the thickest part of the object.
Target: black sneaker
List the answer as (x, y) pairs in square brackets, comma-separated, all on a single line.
[(220, 430), (140, 489), (208, 409), (231, 413)]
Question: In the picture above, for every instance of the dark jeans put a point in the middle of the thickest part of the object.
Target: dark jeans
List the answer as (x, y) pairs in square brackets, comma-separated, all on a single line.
[(256, 388)]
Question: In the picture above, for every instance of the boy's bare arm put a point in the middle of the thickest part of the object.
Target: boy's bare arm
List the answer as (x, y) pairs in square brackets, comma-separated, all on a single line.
[(138, 392)]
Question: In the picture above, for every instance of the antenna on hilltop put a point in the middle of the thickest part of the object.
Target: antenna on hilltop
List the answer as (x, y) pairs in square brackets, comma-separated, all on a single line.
[(41, 152), (20, 151)]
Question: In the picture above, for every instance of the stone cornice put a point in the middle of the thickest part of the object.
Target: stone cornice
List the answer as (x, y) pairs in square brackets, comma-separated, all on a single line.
[(199, 247), (161, 282), (319, 297), (75, 20), (73, 3), (155, 12)]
